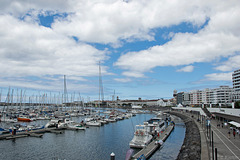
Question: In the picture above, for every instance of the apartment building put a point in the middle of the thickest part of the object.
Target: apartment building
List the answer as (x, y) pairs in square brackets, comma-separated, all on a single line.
[(220, 95), (236, 80), (236, 85)]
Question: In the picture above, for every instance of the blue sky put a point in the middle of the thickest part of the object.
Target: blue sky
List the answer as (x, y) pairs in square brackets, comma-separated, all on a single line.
[(146, 48)]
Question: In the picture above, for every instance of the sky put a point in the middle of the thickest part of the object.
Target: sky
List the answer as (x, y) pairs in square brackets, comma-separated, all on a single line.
[(146, 48)]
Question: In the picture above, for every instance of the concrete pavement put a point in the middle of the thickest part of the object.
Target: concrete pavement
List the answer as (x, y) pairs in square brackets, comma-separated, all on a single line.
[(227, 148)]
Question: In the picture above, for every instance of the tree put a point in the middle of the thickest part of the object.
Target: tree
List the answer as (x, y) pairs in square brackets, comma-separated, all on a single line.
[(237, 104)]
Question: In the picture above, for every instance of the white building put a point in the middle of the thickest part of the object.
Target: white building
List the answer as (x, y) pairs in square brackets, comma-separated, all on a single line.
[(236, 85), (221, 95), (224, 94), (236, 80)]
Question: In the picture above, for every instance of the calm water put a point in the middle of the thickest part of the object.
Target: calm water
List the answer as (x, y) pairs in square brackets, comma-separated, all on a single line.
[(96, 143)]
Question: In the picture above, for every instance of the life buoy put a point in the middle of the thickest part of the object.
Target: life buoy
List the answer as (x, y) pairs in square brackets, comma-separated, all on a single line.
[(142, 133), (137, 132)]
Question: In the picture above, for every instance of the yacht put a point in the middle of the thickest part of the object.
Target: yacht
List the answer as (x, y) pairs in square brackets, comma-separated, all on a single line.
[(141, 137), (156, 125)]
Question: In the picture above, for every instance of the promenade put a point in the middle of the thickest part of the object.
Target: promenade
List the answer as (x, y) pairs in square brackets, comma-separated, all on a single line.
[(224, 148), (227, 148)]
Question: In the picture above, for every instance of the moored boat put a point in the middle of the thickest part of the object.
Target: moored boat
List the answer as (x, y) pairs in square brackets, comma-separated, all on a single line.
[(141, 137), (76, 126), (24, 119)]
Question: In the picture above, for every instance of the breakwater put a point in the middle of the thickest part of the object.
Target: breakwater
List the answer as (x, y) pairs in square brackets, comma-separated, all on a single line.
[(191, 148)]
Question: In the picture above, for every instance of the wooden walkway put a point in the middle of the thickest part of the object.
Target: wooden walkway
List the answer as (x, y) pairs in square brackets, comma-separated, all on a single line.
[(152, 147)]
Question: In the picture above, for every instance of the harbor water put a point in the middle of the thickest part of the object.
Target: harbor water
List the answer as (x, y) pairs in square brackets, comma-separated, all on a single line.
[(95, 143)]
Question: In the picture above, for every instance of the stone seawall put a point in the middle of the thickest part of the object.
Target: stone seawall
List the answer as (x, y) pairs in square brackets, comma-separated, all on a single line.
[(191, 148)]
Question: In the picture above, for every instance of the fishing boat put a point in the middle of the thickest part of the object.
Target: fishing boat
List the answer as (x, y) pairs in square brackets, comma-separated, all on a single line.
[(141, 137)]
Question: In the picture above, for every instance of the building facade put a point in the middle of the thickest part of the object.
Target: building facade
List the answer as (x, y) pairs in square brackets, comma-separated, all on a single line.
[(236, 80), (220, 95), (236, 85)]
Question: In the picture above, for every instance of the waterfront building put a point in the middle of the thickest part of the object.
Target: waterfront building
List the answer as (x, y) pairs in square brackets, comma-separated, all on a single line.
[(223, 94), (236, 85), (154, 102), (206, 94), (236, 80), (179, 98), (220, 95), (186, 99), (164, 102), (196, 97)]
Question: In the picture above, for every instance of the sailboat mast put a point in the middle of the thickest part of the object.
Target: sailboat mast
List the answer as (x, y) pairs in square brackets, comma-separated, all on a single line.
[(65, 92), (99, 78)]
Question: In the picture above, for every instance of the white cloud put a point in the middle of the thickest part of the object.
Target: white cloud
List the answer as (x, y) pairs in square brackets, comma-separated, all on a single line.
[(133, 74), (212, 42), (186, 69), (123, 80), (229, 65), (19, 8), (219, 77), (28, 49), (111, 21)]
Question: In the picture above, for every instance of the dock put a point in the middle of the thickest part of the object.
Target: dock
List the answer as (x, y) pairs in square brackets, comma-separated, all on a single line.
[(15, 136), (32, 133), (152, 147)]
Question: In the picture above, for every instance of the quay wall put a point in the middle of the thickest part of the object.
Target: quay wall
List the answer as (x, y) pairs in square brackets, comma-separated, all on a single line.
[(191, 148)]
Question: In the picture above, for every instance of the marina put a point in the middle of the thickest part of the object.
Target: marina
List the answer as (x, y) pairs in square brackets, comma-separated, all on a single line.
[(94, 141), (119, 79)]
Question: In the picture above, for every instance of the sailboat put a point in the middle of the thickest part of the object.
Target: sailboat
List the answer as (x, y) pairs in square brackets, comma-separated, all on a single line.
[(95, 122)]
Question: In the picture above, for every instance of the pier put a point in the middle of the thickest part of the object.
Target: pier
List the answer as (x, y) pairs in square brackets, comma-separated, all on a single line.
[(153, 146), (33, 133)]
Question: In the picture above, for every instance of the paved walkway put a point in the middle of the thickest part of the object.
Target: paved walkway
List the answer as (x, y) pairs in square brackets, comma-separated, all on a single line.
[(228, 148)]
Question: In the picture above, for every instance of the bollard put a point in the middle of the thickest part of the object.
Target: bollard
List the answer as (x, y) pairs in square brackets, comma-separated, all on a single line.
[(112, 155), (212, 147), (215, 153)]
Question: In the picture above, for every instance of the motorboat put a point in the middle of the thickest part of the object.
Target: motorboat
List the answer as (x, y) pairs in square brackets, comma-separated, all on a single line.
[(23, 128), (52, 123), (93, 123), (64, 123), (76, 126), (141, 137)]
